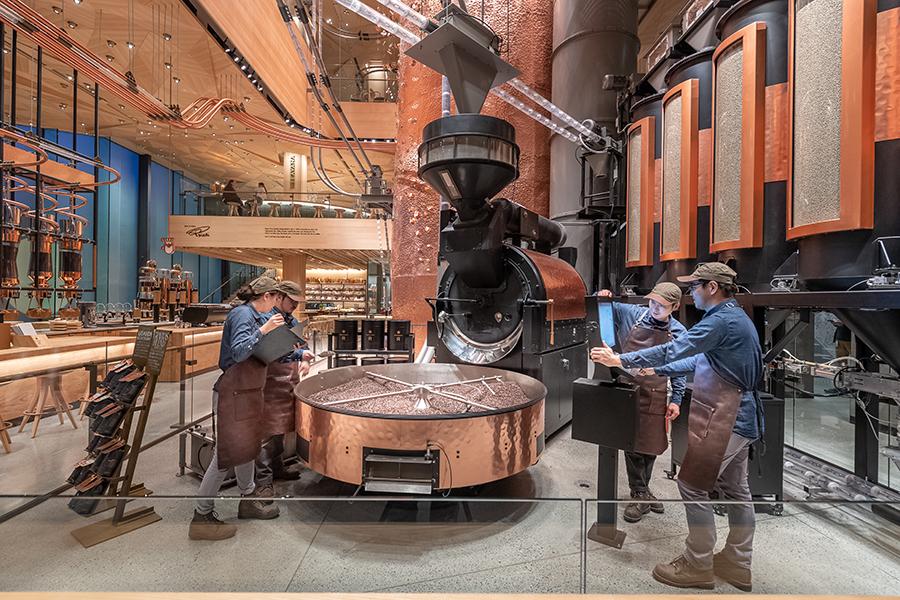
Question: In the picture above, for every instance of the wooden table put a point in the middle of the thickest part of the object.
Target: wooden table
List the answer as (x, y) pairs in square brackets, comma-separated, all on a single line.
[(68, 355)]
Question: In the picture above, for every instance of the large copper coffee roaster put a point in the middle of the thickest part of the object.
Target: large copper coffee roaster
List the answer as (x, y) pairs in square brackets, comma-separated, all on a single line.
[(71, 242), (415, 453), (10, 236)]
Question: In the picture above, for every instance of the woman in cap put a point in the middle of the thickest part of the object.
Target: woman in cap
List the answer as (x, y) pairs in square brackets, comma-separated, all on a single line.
[(238, 409)]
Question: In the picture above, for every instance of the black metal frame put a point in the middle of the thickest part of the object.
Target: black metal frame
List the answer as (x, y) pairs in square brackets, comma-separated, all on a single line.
[(36, 174)]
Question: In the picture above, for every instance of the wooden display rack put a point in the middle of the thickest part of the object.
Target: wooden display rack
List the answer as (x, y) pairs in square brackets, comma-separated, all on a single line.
[(149, 352)]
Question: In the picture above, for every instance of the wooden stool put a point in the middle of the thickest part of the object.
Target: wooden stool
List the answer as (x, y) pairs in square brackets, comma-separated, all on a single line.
[(4, 437), (48, 387)]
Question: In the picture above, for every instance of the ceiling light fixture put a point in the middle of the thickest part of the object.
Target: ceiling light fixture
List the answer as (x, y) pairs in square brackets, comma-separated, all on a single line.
[(57, 10), (72, 24), (110, 44), (110, 58), (63, 106), (167, 36), (77, 2), (130, 44), (243, 67), (176, 79), (168, 65)]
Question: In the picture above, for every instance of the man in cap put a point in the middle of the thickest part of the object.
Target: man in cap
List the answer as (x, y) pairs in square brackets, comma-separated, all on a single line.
[(278, 414), (725, 418), (640, 327)]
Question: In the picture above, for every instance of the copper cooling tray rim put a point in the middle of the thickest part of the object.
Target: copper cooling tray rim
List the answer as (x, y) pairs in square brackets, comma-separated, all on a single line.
[(449, 417)]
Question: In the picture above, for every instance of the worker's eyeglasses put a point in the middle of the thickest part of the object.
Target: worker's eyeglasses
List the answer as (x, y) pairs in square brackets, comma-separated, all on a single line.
[(695, 284)]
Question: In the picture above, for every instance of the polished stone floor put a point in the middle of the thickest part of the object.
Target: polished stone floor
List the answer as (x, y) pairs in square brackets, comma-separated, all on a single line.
[(461, 544)]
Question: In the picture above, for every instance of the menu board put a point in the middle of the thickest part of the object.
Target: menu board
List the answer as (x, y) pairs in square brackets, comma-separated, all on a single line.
[(157, 352), (142, 344)]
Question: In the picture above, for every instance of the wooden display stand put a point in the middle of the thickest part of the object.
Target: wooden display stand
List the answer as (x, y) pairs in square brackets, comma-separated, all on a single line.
[(149, 352)]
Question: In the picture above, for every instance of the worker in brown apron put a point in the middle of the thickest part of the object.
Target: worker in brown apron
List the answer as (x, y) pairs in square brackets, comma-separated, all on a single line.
[(640, 327), (237, 412), (723, 352), (278, 410)]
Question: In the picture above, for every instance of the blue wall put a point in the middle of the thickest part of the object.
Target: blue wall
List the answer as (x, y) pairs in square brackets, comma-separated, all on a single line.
[(117, 226)]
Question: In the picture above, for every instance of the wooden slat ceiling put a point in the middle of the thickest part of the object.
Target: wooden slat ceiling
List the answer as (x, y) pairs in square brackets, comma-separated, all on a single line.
[(221, 151)]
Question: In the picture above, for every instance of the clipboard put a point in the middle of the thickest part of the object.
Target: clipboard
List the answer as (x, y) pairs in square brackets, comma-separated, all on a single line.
[(276, 344)]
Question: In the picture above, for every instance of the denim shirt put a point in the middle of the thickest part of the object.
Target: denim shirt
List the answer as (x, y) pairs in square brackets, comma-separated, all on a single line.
[(728, 338), (240, 334), (626, 315)]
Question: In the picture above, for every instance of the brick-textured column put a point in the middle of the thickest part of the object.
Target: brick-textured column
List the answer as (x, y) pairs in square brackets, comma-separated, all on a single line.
[(416, 205)]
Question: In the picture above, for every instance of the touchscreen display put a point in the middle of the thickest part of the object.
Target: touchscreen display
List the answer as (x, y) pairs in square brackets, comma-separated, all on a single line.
[(605, 321)]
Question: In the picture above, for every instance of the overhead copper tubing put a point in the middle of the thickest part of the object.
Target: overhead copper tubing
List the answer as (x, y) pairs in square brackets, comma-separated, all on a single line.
[(40, 155), (44, 33)]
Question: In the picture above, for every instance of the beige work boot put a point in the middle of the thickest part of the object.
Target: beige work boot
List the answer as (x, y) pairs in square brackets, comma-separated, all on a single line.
[(738, 576), (679, 573), (209, 527)]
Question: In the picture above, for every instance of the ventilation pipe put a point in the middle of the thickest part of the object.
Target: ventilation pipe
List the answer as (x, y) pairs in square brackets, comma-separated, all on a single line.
[(591, 39)]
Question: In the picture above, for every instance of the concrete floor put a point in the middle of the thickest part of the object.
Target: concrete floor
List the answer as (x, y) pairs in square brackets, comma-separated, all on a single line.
[(372, 545)]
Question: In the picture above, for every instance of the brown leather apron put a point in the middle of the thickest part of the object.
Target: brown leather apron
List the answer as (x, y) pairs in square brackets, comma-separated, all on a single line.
[(714, 407), (281, 377), (239, 431), (652, 391)]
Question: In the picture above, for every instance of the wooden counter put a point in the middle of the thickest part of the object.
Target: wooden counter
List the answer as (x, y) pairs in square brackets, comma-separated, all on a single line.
[(67, 355), (198, 345)]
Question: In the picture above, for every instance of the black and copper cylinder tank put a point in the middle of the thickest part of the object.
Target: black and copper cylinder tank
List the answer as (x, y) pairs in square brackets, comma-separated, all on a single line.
[(649, 270), (755, 249), (839, 260), (692, 220)]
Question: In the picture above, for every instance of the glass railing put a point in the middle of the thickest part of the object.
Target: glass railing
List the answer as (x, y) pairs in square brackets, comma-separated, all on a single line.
[(465, 543)]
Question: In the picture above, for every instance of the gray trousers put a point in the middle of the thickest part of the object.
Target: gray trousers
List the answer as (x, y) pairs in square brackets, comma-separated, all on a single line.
[(734, 485), (214, 477), (269, 460)]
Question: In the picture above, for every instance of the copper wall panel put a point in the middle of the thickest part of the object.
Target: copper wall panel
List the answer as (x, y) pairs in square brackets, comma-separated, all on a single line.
[(777, 141), (887, 76), (416, 205), (704, 167)]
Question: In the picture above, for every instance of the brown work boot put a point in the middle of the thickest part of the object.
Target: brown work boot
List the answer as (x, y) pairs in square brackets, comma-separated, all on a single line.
[(252, 506), (738, 576), (656, 507), (209, 527), (266, 491), (635, 511), (679, 573)]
